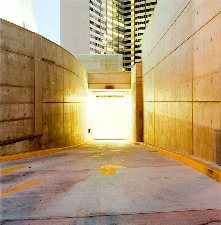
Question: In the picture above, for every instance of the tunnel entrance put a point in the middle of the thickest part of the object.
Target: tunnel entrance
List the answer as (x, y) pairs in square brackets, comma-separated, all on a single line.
[(110, 116)]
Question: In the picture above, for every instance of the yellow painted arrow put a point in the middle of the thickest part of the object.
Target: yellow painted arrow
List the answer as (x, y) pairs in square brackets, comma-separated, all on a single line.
[(11, 170), (108, 169)]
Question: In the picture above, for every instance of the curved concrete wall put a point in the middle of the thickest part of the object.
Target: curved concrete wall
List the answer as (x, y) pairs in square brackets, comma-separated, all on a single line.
[(182, 78), (43, 93)]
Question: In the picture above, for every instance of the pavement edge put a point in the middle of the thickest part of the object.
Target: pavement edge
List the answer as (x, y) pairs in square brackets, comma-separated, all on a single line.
[(202, 167), (40, 152)]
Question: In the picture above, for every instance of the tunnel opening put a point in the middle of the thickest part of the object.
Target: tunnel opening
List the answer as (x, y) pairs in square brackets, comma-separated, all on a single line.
[(109, 115)]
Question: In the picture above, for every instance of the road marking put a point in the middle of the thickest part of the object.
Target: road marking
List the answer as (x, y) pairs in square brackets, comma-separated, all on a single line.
[(19, 187), (41, 152), (11, 170), (105, 153), (108, 169)]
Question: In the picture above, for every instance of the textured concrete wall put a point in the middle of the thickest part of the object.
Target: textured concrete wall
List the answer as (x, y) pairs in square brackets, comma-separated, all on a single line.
[(135, 131), (182, 77), (43, 93), (16, 89)]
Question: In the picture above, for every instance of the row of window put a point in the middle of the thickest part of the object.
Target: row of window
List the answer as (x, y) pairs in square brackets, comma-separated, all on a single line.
[(121, 38), (143, 16), (138, 34), (96, 44), (94, 4), (138, 23), (145, 10), (147, 4)]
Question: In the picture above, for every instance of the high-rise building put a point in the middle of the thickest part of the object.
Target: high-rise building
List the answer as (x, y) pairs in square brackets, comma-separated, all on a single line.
[(19, 12), (105, 27)]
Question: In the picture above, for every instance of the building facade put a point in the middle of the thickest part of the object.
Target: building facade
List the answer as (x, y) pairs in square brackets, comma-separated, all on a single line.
[(105, 27), (19, 12)]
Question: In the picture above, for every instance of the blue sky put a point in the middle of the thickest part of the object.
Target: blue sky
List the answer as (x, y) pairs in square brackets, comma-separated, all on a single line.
[(47, 16)]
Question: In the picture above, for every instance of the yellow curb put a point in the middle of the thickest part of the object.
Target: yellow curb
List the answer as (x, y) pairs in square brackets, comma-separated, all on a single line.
[(202, 167), (130, 141), (37, 153), (135, 143)]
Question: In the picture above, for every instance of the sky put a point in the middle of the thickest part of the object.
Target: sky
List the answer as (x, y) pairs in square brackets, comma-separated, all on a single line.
[(47, 17)]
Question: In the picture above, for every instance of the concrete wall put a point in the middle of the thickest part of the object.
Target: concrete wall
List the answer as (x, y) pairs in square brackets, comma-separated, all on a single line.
[(182, 77), (135, 131), (103, 63), (43, 93)]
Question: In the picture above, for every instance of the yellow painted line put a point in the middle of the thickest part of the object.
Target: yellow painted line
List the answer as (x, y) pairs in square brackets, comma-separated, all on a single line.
[(19, 187), (202, 167), (37, 153), (11, 170), (108, 169), (135, 143)]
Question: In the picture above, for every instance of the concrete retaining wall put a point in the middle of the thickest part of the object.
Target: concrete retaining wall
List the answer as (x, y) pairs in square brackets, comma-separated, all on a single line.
[(182, 78), (43, 93)]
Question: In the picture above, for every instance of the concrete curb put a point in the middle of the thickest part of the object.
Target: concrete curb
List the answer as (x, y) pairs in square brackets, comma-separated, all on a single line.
[(134, 143), (41, 152), (202, 167)]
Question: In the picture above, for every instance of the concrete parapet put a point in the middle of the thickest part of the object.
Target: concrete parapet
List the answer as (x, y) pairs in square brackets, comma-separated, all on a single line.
[(182, 78)]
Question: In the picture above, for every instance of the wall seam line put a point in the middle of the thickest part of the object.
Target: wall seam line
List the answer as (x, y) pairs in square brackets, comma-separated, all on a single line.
[(182, 43)]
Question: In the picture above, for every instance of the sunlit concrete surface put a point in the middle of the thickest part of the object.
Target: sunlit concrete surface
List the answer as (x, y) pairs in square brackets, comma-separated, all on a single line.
[(69, 188)]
